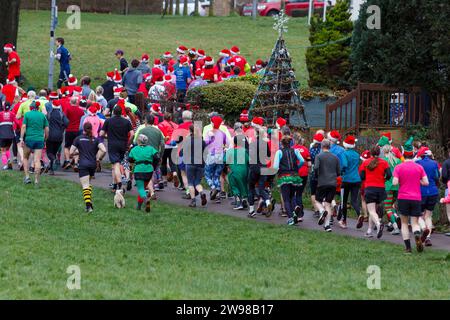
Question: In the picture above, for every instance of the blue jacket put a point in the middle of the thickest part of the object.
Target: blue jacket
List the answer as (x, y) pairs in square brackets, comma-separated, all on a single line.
[(132, 80), (338, 151), (432, 170), (349, 166)]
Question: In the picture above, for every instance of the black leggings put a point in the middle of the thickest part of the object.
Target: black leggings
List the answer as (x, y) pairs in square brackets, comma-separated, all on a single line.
[(291, 195), (167, 156), (352, 188), (255, 178), (52, 151)]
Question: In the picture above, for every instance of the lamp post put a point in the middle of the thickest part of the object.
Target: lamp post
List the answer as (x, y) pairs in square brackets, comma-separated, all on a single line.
[(310, 11), (53, 23)]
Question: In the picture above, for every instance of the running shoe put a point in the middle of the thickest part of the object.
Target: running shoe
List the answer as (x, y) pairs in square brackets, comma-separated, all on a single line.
[(252, 214), (66, 165), (27, 181), (89, 208), (129, 185), (298, 211), (396, 232), (223, 195), (380, 231), (283, 213), (186, 196), (238, 206), (428, 242), (147, 205), (5, 168), (342, 224), (425, 234), (213, 194), (176, 182), (290, 222), (419, 244), (407, 251), (327, 228), (218, 200), (245, 203), (322, 218), (368, 235), (448, 234), (156, 187), (203, 198), (360, 222), (390, 227), (161, 185)]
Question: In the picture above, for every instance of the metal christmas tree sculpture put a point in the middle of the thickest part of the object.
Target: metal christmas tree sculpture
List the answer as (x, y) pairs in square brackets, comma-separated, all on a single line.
[(278, 94)]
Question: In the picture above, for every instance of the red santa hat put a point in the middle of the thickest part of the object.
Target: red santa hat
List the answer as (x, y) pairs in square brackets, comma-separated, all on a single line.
[(156, 108), (318, 138), (350, 142), (9, 46), (424, 151), (201, 53), (334, 136), (78, 90), (11, 79), (183, 60), (235, 50), (56, 103), (216, 121), (258, 121), (193, 51), (147, 76), (145, 57), (72, 81), (259, 63), (121, 104), (209, 61), (244, 116), (387, 135), (117, 77), (118, 90), (94, 108), (157, 63), (225, 53), (168, 78), (182, 49), (280, 123), (167, 55), (199, 73), (53, 95), (24, 97), (365, 155), (110, 75)]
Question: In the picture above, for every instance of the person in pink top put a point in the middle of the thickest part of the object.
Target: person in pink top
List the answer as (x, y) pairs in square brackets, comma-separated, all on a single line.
[(410, 176), (93, 118), (168, 127)]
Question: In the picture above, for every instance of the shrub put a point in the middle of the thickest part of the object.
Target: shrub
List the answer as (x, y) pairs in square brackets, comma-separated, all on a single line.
[(227, 98), (253, 79)]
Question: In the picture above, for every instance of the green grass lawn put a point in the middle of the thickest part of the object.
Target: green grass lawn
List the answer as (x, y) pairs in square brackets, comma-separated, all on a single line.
[(177, 253), (93, 46)]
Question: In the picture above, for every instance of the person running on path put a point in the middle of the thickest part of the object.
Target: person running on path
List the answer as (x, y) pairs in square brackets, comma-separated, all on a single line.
[(145, 159), (351, 181), (374, 172), (303, 172), (168, 166), (57, 123), (410, 176), (314, 151), (120, 133), (327, 170), (394, 224), (287, 162), (90, 151), (74, 113), (237, 159), (430, 193), (64, 57), (446, 181), (192, 152), (8, 124), (13, 62), (33, 135)]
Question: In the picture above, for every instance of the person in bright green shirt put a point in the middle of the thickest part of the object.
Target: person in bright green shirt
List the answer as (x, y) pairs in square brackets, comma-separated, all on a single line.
[(145, 158), (391, 191), (33, 134), (25, 106), (237, 160)]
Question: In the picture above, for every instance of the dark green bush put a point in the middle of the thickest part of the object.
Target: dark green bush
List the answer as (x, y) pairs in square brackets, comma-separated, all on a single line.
[(227, 98)]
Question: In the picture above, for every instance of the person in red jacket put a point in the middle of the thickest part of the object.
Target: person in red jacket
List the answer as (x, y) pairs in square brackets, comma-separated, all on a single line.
[(145, 86), (74, 113), (237, 60), (13, 62), (210, 72), (10, 90), (167, 127)]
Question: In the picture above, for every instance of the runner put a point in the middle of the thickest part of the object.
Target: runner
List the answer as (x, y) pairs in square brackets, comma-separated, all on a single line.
[(74, 113), (13, 62), (446, 182), (314, 150), (302, 172), (8, 125), (64, 57), (32, 139), (58, 122), (327, 170), (410, 177), (168, 127), (145, 158), (90, 151), (374, 173)]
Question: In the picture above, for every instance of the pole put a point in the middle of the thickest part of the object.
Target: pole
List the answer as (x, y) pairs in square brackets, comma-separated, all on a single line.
[(310, 11), (254, 9), (325, 10), (53, 23)]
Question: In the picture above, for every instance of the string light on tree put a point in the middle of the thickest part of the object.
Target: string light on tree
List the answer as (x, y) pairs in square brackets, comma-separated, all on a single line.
[(281, 23)]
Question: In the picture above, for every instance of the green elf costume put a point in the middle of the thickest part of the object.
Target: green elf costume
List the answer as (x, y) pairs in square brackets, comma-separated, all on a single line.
[(237, 160)]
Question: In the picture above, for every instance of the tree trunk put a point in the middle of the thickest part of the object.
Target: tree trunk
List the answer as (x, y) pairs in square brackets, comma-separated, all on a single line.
[(177, 7), (196, 8), (170, 7), (185, 8), (211, 8), (9, 17)]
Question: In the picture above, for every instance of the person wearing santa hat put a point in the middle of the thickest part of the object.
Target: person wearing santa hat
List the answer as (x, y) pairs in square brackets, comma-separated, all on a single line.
[(351, 181), (64, 57), (183, 78), (334, 137), (167, 61), (430, 193), (92, 116), (123, 63), (394, 149), (303, 172), (167, 127), (446, 181), (143, 65), (13, 62), (199, 81), (222, 62), (10, 90), (108, 86), (210, 73), (239, 61), (8, 126), (157, 71), (157, 92), (74, 113), (217, 142), (259, 152), (169, 88), (314, 150), (57, 123), (410, 176), (145, 85)]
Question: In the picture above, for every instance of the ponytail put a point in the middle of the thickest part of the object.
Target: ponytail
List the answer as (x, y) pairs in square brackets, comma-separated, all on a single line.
[(375, 152)]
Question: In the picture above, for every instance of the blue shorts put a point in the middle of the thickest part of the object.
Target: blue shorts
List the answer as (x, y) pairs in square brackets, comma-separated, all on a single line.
[(35, 145), (194, 174)]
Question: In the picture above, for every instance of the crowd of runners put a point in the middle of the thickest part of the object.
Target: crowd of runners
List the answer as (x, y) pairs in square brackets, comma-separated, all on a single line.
[(75, 127)]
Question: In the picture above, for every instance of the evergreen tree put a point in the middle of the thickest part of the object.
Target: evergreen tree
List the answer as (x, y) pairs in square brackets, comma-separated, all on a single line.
[(328, 59)]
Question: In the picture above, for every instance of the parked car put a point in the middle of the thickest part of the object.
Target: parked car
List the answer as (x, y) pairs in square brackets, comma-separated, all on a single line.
[(203, 7), (293, 8)]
